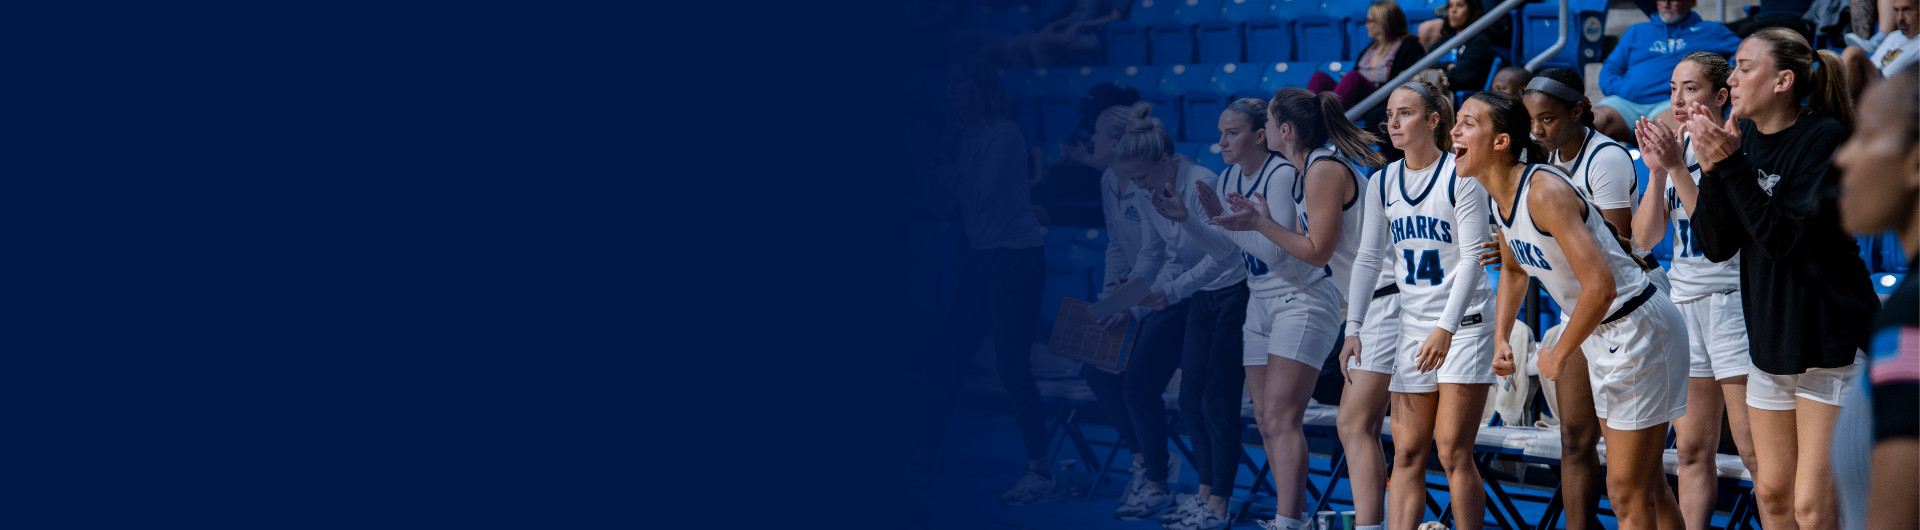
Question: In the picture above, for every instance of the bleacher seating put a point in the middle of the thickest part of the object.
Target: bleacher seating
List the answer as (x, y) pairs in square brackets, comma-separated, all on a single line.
[(1535, 31), (1269, 37), (1138, 77), (1173, 37), (1025, 87), (1319, 37), (1281, 75), (1175, 82), (1219, 38), (1202, 106), (1208, 156), (1060, 107)]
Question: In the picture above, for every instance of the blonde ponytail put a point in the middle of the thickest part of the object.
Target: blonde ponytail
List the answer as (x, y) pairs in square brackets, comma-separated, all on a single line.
[(1319, 119), (1145, 140), (1829, 92)]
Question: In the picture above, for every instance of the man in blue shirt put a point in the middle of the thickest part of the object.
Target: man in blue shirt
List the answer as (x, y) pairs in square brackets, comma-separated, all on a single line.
[(1636, 73)]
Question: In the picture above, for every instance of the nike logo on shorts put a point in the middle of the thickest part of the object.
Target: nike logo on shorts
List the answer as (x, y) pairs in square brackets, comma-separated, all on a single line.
[(1613, 349)]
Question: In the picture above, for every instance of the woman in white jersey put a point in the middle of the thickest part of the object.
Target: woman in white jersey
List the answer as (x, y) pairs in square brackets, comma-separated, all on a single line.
[(1707, 293), (1178, 269), (1430, 221), (1637, 356), (1296, 330), (1211, 372), (1561, 122)]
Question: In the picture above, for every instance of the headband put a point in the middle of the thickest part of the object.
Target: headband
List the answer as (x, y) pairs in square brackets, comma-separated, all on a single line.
[(1242, 107), (1417, 87), (1555, 88)]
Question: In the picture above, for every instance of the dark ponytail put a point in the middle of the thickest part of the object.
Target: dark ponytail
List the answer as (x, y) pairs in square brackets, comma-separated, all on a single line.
[(1627, 247), (1318, 119), (1509, 117)]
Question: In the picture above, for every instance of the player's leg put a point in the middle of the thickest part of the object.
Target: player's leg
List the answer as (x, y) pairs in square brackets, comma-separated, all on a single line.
[(1457, 423), (1815, 501), (1776, 447), (1221, 405), (1413, 420), (1363, 403), (1609, 121), (1157, 355), (1734, 392), (1021, 274), (1697, 438), (1580, 478), (1636, 482), (1289, 383), (1197, 379)]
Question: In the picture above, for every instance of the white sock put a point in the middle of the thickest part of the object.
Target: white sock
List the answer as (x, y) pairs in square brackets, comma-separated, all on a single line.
[(1287, 523)]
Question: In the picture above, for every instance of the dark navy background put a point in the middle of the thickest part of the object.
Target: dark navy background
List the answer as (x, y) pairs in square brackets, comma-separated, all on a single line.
[(460, 265)]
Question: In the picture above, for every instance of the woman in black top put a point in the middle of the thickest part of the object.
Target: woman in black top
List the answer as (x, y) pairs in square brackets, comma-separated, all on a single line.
[(1766, 195), (1391, 52), (1880, 190), (1469, 62)]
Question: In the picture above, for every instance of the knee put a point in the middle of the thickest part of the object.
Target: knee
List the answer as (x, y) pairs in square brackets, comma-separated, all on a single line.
[(1694, 452), (1412, 456), (1356, 427), (1456, 454), (1774, 496), (1853, 54)]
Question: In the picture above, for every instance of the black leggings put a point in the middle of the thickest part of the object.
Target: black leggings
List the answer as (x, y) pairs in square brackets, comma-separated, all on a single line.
[(1210, 382), (1132, 398), (998, 296)]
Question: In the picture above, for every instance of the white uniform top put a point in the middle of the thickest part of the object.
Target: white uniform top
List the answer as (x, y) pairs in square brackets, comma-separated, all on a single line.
[(1163, 242), (1895, 52), (1694, 275), (1270, 270), (1339, 267), (1603, 172), (1539, 254), (1123, 229), (1435, 239)]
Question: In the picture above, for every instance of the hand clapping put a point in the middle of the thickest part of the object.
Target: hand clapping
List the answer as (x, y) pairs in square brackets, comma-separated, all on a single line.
[(1712, 144), (1248, 213)]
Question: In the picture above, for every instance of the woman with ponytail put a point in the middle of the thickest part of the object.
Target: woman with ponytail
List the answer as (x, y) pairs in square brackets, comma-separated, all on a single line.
[(1176, 268), (1630, 335), (1309, 243), (1423, 227), (1767, 195), (1707, 293)]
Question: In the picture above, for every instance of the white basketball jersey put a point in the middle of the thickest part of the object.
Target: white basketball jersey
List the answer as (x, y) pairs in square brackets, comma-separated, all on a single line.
[(1267, 279), (1340, 267), (1539, 254), (1423, 221), (1617, 181), (1694, 275)]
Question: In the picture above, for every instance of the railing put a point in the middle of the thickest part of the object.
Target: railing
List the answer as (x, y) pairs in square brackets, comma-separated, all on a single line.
[(1486, 21)]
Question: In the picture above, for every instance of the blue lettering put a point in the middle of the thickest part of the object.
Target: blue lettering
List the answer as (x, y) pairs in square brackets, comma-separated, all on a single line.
[(1446, 232)]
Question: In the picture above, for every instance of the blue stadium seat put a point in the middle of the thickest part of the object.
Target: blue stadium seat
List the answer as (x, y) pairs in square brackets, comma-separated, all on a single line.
[(1173, 38), (1147, 12), (1010, 18), (1202, 106), (1417, 11), (1319, 36), (1069, 273), (1126, 42), (1060, 108), (1352, 15), (1884, 283), (1536, 30), (1865, 242), (1333, 68), (1175, 82), (1094, 238), (1025, 87), (1138, 77), (1269, 37), (1207, 155), (1219, 39), (1893, 257), (1295, 8), (1281, 75)]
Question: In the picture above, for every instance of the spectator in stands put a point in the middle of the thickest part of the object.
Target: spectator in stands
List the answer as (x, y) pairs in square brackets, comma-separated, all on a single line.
[(1468, 62), (1896, 50), (1766, 193), (1634, 77), (1788, 14), (1391, 52), (1707, 293), (1433, 31), (1873, 200), (1512, 80), (1003, 268)]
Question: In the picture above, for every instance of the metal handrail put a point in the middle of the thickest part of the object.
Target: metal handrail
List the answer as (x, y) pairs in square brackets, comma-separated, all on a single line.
[(1486, 21), (1558, 44)]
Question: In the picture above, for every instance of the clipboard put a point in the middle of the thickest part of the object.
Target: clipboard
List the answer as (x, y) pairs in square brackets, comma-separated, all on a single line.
[(1079, 336), (1124, 297)]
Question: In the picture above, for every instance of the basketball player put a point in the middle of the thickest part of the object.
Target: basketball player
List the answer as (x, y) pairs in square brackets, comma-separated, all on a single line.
[(1325, 212), (1636, 357), (1707, 293), (1430, 221)]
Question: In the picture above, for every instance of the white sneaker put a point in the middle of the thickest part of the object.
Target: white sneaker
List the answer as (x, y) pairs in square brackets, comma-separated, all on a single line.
[(1272, 524), (1146, 503), (1138, 481), (1201, 519), (1181, 510), (1033, 488)]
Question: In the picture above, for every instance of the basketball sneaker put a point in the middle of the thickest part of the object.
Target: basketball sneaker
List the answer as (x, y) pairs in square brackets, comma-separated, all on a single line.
[(1033, 488)]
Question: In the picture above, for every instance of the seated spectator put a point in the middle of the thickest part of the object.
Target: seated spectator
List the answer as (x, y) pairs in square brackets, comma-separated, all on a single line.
[(1636, 74), (1468, 63), (1391, 52), (1433, 32), (1512, 80), (1774, 13), (1897, 49)]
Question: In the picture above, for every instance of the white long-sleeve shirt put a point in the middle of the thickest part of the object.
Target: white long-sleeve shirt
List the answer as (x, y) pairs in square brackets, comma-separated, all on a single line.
[(1165, 242), (1423, 220), (1271, 271)]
